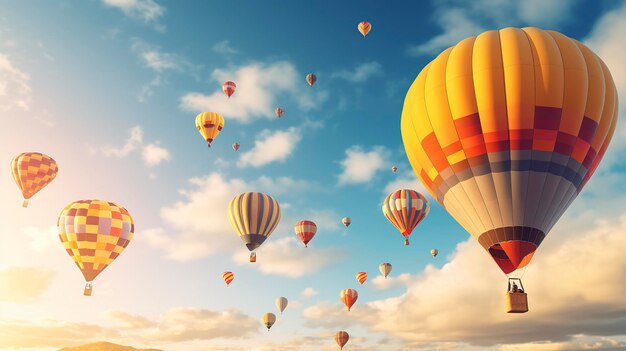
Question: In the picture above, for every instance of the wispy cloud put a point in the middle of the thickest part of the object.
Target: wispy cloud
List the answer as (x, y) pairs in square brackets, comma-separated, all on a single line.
[(309, 292), (15, 287), (148, 11), (361, 73), (152, 153), (272, 146), (224, 47), (15, 90), (360, 166), (260, 87)]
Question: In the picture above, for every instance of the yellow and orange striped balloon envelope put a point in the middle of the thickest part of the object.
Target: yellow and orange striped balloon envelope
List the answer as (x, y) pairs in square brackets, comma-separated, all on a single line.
[(254, 216), (361, 277), (405, 209), (228, 277), (342, 338), (94, 233), (209, 124), (364, 27), (305, 230), (32, 171), (505, 129)]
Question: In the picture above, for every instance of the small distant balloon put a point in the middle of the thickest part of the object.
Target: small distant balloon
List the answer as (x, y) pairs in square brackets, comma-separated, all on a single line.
[(394, 169), (361, 277), (348, 297), (434, 252), (346, 221), (305, 230), (32, 171), (405, 209), (281, 303), (209, 124), (280, 112), (236, 146), (228, 277), (385, 268), (229, 88), (364, 27), (342, 338), (268, 320), (311, 79)]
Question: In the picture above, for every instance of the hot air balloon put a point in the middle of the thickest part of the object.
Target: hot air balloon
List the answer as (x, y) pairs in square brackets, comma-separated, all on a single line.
[(305, 230), (434, 252), (311, 79), (236, 146), (268, 320), (348, 297), (228, 277), (94, 233), (394, 169), (385, 268), (405, 209), (229, 88), (342, 338), (281, 303), (280, 112), (504, 129), (346, 221), (209, 124), (361, 277), (364, 27), (254, 216), (32, 171)]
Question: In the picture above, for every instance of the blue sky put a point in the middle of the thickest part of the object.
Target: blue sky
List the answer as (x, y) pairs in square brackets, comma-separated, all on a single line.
[(111, 88)]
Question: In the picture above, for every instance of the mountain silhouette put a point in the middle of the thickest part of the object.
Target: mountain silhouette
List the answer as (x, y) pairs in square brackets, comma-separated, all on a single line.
[(104, 346)]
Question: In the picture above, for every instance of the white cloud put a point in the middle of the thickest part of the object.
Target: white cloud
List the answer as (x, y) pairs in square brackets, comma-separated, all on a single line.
[(308, 292), (24, 284), (288, 257), (382, 283), (149, 11), (360, 166), (571, 285), (462, 19), (41, 239), (199, 223), (361, 73), (406, 180), (223, 47), (152, 153), (15, 91), (259, 88), (271, 146)]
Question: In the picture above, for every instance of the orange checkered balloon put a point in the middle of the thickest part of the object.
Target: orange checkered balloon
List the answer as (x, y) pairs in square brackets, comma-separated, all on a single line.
[(94, 233), (32, 171)]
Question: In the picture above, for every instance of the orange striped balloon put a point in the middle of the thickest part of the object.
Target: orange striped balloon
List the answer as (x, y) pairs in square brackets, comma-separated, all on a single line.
[(342, 338), (229, 88), (305, 230), (405, 209), (32, 171), (228, 277), (361, 277), (348, 297), (364, 27)]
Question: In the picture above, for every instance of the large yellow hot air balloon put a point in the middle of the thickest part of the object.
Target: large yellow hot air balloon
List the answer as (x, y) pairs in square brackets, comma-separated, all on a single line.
[(32, 171), (209, 124), (254, 217), (94, 233), (504, 129)]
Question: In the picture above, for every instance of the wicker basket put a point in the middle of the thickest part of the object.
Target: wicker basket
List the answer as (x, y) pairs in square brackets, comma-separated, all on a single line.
[(516, 302)]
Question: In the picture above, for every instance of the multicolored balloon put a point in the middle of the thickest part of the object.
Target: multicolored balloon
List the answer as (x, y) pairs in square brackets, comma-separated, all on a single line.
[(229, 88), (364, 27), (405, 209), (228, 277), (505, 129), (361, 277), (94, 233), (348, 297), (311, 79), (209, 124), (279, 112), (385, 269), (342, 338), (305, 230), (236, 146), (268, 320), (281, 303), (254, 216), (346, 221), (434, 252), (32, 171)]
